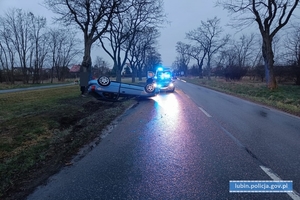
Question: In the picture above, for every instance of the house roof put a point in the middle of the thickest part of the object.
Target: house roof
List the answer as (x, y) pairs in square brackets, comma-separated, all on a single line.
[(75, 68)]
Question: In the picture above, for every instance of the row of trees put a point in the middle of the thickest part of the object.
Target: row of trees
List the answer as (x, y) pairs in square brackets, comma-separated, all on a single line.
[(28, 48), (127, 30), (207, 42)]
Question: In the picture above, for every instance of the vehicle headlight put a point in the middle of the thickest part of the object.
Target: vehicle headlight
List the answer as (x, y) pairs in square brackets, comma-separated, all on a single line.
[(171, 85)]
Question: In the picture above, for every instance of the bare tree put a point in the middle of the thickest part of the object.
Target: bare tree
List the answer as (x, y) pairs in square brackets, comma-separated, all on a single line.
[(38, 24), (92, 17), (152, 59), (183, 58), (63, 48), (270, 16), (3, 64), (101, 67), (44, 51), (143, 41), (198, 53), (7, 53), (227, 57), (240, 52), (54, 42), (124, 28), (292, 46), (209, 36), (18, 25), (245, 48)]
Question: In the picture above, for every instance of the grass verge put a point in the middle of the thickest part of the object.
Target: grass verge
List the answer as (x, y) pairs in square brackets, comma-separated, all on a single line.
[(285, 98), (41, 130)]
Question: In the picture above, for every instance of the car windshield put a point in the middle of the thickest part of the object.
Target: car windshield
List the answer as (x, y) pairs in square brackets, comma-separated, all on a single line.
[(164, 75)]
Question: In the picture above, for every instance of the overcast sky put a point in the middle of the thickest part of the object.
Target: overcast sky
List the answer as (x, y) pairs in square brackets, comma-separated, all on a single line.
[(183, 15)]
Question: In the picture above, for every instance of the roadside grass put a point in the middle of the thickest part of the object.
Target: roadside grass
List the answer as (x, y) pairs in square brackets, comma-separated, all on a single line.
[(40, 130), (285, 98)]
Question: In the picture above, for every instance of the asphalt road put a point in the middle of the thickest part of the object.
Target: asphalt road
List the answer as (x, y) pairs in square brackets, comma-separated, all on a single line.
[(34, 88), (185, 145)]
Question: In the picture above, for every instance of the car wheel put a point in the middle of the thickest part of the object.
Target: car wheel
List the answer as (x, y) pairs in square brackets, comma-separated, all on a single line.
[(150, 88), (103, 81)]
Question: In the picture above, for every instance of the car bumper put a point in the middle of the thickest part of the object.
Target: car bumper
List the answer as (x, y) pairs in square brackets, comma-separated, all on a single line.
[(168, 88)]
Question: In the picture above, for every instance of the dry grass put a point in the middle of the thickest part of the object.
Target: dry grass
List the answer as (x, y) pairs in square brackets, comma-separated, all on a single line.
[(41, 129), (286, 97)]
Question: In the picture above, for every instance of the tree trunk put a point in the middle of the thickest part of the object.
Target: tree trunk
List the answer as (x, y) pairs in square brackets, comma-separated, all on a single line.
[(52, 74), (140, 74), (86, 62), (200, 68), (208, 69), (267, 73), (272, 82), (118, 74), (118, 71), (268, 56), (86, 66), (200, 72), (134, 72)]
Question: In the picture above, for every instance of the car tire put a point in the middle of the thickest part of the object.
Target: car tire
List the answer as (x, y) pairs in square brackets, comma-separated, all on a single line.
[(103, 81), (150, 88)]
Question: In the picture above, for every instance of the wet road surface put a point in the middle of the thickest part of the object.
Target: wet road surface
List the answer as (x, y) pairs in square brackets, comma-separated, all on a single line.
[(179, 145)]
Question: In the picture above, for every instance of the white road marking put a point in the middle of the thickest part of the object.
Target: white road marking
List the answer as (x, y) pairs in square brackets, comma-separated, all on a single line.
[(294, 195), (208, 115)]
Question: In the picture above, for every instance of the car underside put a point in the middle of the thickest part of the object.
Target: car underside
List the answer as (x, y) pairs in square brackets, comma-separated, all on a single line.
[(104, 89)]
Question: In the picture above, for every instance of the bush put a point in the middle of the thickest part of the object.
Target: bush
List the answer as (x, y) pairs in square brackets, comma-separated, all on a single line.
[(235, 72)]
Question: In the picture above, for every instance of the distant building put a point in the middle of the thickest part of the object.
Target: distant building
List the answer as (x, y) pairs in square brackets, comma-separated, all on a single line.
[(75, 69)]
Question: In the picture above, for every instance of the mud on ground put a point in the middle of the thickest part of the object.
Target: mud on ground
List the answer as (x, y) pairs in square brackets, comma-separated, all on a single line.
[(75, 130)]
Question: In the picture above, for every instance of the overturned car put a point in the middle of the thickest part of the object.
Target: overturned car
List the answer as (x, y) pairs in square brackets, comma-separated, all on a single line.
[(105, 89)]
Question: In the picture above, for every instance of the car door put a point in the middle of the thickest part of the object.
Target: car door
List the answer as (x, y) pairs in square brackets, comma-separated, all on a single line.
[(131, 89)]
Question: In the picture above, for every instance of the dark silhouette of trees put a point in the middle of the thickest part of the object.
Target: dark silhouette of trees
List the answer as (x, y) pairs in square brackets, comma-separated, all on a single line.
[(270, 16), (292, 55), (63, 48), (92, 17), (125, 28), (183, 59), (209, 36), (143, 43)]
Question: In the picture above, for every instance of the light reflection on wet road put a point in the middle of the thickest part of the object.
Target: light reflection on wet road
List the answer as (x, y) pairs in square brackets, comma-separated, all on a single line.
[(164, 148)]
